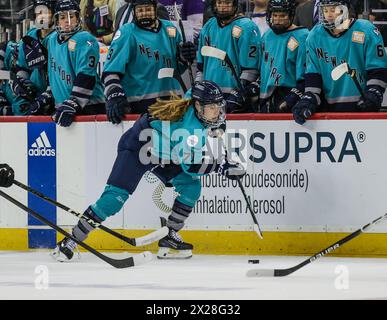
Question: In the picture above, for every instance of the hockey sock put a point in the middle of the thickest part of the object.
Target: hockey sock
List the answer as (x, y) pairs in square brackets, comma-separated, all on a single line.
[(83, 228), (180, 212)]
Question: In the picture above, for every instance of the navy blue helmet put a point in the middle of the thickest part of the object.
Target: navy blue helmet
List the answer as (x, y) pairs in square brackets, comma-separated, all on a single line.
[(208, 93), (144, 22), (286, 6), (67, 6)]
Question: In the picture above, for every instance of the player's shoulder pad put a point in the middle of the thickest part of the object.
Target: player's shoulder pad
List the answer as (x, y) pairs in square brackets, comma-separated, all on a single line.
[(209, 24), (82, 39), (244, 25), (301, 34), (33, 33), (366, 26), (83, 36), (124, 31), (315, 33), (169, 27)]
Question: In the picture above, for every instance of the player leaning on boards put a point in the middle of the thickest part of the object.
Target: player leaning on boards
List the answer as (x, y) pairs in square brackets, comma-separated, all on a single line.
[(33, 94), (283, 59), (240, 38), (337, 39), (177, 162), (73, 57), (138, 51)]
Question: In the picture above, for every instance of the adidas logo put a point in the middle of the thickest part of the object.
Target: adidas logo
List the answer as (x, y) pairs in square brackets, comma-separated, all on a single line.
[(41, 147)]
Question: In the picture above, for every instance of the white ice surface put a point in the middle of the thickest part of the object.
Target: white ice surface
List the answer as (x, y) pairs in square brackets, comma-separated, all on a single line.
[(202, 277)]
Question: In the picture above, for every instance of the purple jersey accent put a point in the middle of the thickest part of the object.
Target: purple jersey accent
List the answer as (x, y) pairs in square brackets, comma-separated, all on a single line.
[(185, 7)]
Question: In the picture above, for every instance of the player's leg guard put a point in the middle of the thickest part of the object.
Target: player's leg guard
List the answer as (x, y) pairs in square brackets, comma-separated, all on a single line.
[(173, 246), (65, 248)]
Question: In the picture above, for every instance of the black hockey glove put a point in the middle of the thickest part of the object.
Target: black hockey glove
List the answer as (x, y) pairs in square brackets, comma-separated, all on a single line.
[(231, 170), (7, 176), (372, 100), (24, 88), (66, 112), (290, 100), (305, 108), (235, 101), (42, 104), (116, 105), (188, 51), (35, 53)]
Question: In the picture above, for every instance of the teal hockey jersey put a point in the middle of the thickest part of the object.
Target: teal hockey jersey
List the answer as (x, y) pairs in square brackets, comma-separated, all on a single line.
[(361, 46), (138, 54), (283, 60), (67, 60), (241, 40)]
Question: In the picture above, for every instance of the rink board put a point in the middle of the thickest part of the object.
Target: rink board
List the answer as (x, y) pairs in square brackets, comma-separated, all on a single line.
[(310, 185)]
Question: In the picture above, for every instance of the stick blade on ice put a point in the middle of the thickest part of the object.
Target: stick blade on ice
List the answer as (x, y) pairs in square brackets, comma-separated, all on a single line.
[(143, 257), (338, 72), (254, 273), (166, 73), (208, 51)]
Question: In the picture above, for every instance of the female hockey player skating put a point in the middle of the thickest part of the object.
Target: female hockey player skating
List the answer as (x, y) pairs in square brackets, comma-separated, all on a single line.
[(178, 130)]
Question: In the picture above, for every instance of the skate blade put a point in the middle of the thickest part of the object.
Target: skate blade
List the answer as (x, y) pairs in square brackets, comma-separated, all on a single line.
[(168, 253), (57, 256)]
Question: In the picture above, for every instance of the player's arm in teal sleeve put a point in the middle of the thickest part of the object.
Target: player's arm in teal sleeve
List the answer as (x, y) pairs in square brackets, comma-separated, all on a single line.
[(85, 60), (376, 60), (301, 60), (116, 62), (21, 64), (249, 45), (313, 78)]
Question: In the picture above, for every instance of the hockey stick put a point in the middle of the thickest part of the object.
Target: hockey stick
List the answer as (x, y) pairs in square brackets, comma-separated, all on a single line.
[(213, 52), (172, 73), (120, 264), (344, 68), (256, 227), (181, 25), (336, 245), (141, 241)]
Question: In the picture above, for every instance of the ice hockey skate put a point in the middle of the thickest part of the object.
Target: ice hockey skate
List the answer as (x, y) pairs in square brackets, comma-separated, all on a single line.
[(65, 250), (173, 247)]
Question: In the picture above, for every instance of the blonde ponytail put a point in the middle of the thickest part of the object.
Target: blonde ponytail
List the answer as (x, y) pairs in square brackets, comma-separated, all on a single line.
[(169, 110)]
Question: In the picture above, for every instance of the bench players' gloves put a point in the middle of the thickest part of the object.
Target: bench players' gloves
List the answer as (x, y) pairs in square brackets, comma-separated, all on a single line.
[(231, 170), (235, 101), (290, 100), (304, 108), (7, 175), (372, 100), (116, 105), (24, 88), (66, 112), (41, 104), (188, 51)]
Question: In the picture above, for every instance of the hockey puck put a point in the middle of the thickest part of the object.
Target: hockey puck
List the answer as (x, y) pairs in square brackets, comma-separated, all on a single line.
[(255, 261)]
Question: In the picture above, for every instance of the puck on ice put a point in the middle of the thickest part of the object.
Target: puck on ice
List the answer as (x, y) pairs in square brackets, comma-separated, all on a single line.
[(254, 261)]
